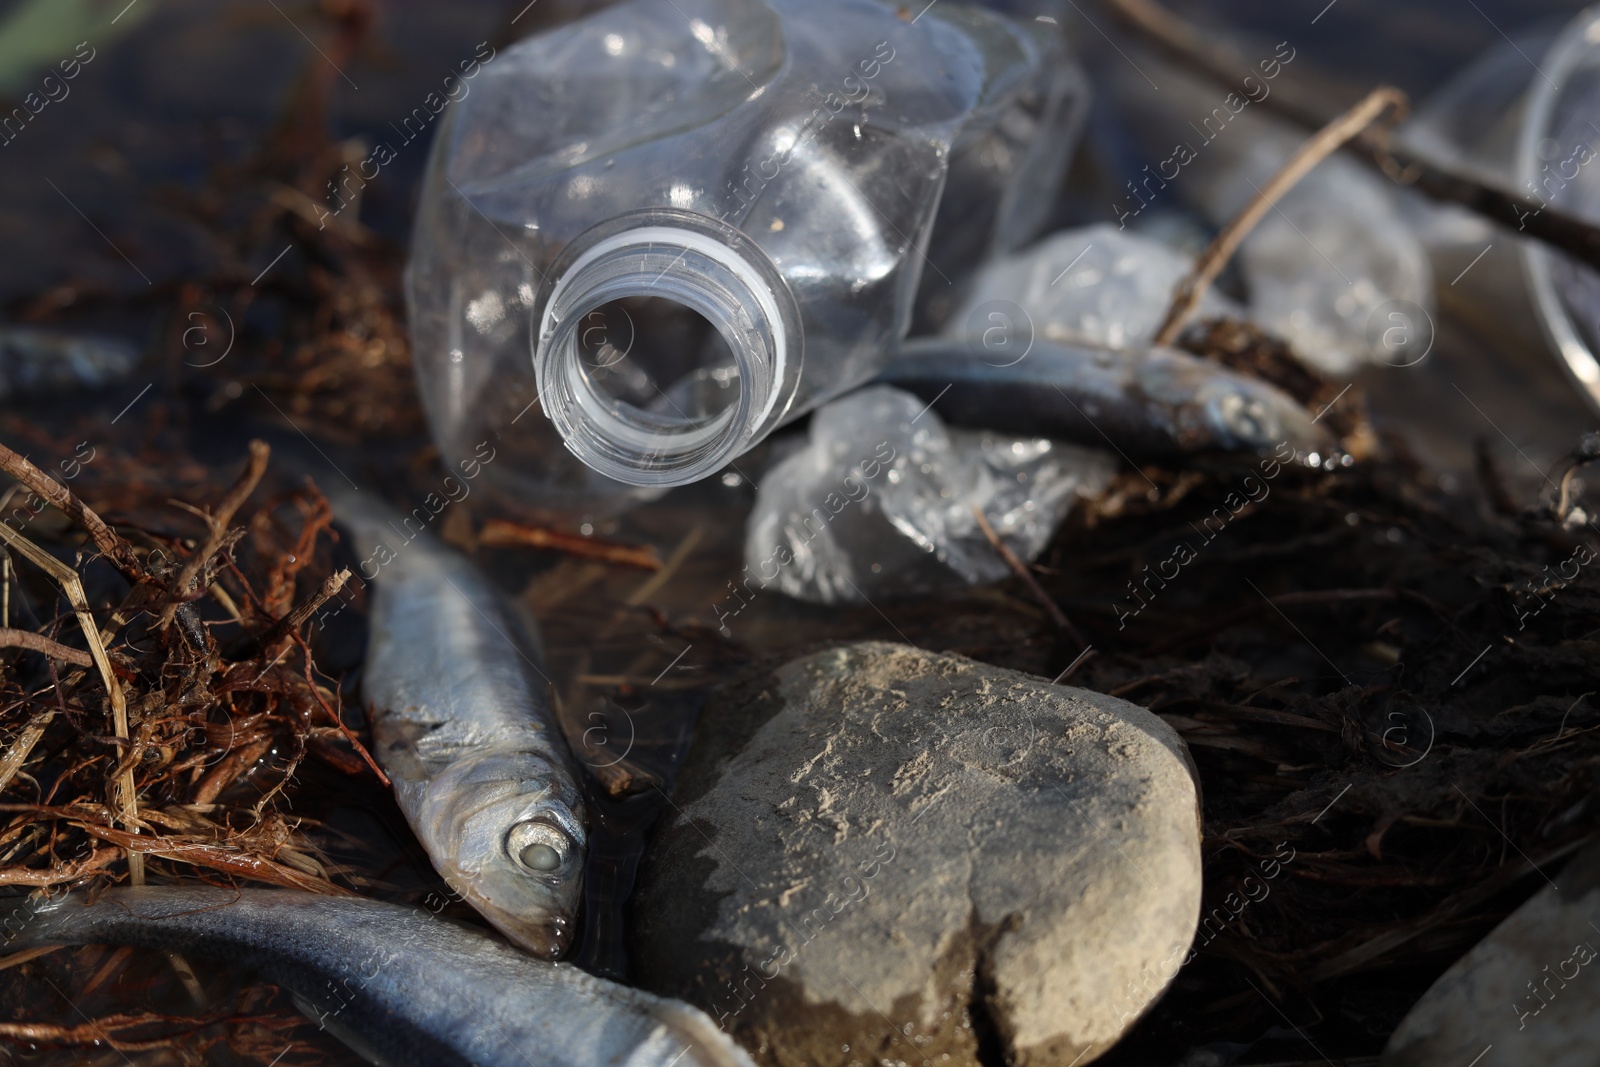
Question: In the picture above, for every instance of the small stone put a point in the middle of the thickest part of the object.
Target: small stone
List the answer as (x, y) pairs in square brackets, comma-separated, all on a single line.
[(876, 841), (1531, 989)]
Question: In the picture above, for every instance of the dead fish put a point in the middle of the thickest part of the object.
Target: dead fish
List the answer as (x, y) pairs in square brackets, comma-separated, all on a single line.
[(399, 985), (37, 362), (464, 730), (1152, 404)]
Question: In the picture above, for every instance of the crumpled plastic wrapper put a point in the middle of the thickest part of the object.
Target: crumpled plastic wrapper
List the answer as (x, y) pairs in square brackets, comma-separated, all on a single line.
[(879, 502), (1096, 285), (1335, 268)]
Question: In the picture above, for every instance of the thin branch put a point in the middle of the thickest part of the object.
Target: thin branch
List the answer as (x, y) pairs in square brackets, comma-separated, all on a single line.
[(1576, 237), (111, 544), (11, 637), (181, 585), (1324, 143), (1020, 569), (349, 734), (23, 746), (619, 776), (72, 586), (502, 533), (108, 1029), (16, 959), (298, 616), (218, 856), (59, 873)]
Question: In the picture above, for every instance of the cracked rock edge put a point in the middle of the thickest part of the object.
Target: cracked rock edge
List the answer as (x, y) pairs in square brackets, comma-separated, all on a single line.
[(798, 771)]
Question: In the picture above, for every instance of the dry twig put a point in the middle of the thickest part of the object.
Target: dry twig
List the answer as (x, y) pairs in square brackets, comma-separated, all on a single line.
[(1020, 569), (297, 617), (1544, 222), (111, 1029), (254, 469), (11, 637), (618, 776), (22, 747), (115, 548), (127, 798), (217, 856), (500, 533), (1186, 297)]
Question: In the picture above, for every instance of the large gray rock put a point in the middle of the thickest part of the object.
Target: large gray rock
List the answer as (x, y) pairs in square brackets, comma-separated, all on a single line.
[(882, 855), (1528, 994)]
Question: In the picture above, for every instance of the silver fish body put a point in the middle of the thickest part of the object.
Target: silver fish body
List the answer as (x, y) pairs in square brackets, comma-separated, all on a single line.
[(1151, 404), (463, 729), (36, 362), (399, 985)]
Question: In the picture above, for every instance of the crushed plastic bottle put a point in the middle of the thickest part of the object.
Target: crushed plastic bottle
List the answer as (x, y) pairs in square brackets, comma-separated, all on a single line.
[(1523, 116), (1096, 285), (879, 502), (667, 228)]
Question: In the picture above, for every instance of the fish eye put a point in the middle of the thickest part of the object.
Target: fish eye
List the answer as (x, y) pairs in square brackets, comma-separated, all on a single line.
[(540, 857), (1248, 418), (538, 847)]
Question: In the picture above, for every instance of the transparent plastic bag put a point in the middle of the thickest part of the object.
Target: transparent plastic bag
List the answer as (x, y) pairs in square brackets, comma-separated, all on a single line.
[(879, 502), (1330, 265), (667, 228), (1094, 285)]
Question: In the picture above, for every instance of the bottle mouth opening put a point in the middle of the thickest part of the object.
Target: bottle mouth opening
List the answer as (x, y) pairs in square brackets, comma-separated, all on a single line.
[(662, 352)]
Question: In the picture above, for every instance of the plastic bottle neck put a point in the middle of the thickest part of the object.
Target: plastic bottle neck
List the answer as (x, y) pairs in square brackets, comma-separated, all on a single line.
[(697, 264)]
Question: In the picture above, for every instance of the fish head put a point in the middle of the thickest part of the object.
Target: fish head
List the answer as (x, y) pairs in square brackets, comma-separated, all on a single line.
[(1246, 415), (506, 831), (1214, 409)]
